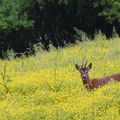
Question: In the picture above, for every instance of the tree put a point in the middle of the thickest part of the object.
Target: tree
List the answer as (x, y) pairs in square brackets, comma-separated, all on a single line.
[(14, 14), (110, 9)]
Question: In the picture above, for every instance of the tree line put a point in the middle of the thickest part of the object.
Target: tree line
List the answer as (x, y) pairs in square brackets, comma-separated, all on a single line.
[(24, 23)]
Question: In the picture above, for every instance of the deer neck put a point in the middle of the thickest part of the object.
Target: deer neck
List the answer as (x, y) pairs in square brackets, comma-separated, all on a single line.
[(87, 82)]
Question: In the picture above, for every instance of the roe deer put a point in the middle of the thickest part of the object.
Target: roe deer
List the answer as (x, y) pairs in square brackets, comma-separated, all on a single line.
[(94, 82)]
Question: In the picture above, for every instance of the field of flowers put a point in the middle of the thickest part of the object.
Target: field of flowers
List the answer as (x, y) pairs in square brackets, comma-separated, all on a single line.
[(48, 87)]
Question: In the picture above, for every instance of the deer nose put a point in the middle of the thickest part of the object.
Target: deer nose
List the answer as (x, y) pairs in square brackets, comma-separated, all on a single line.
[(84, 76)]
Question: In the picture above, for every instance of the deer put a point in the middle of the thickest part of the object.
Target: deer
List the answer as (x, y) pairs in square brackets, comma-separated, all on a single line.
[(94, 83)]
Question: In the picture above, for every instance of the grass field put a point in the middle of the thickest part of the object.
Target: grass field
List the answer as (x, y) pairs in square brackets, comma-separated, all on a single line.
[(48, 87)]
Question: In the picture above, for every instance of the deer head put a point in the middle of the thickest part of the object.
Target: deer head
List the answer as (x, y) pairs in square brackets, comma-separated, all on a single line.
[(84, 69)]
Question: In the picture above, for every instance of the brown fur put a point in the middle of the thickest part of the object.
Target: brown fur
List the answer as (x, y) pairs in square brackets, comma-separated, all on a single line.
[(95, 82)]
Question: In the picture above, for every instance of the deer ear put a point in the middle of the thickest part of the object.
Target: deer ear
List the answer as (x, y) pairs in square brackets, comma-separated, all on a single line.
[(89, 66), (77, 67)]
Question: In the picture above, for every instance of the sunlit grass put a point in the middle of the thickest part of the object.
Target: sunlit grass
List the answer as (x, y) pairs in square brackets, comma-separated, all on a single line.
[(47, 86)]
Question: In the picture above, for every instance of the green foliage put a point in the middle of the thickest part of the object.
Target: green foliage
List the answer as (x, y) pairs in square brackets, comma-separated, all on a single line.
[(9, 54), (99, 36), (27, 22), (114, 33), (14, 14), (110, 9), (63, 1), (80, 35), (40, 1)]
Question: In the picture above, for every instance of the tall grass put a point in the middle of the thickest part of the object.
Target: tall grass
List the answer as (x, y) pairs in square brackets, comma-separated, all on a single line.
[(47, 86)]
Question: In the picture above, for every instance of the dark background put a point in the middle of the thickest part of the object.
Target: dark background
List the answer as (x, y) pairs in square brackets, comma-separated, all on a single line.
[(24, 23)]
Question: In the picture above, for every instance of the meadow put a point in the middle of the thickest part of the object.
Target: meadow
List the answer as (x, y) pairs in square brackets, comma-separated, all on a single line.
[(47, 86)]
